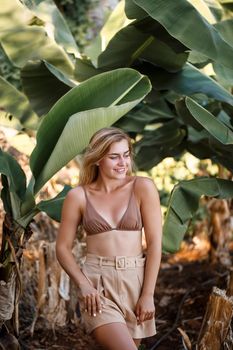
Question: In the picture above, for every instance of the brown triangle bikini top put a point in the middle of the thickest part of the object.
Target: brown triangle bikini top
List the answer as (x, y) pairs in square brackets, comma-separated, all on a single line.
[(94, 223)]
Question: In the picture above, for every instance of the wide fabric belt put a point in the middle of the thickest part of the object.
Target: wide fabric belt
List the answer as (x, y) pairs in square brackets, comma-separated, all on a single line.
[(120, 262)]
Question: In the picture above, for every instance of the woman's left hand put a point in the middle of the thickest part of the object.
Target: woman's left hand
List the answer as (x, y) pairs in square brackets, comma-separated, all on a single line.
[(145, 308)]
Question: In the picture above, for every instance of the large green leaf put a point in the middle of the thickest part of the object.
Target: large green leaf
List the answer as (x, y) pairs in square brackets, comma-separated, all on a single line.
[(84, 69), (67, 128), (187, 81), (14, 184), (183, 203), (176, 17), (15, 103), (56, 26), (215, 8), (22, 39), (158, 144), (133, 11), (226, 30), (224, 75), (136, 120), (116, 21), (5, 195), (125, 47), (25, 43), (149, 26), (53, 207), (202, 7), (44, 84), (16, 177), (130, 44), (213, 125), (12, 14)]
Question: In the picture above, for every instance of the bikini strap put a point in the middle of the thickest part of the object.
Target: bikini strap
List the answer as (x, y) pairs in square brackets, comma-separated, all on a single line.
[(134, 182), (85, 191)]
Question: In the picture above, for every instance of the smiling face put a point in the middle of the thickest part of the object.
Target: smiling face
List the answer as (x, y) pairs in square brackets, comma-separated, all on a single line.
[(117, 162)]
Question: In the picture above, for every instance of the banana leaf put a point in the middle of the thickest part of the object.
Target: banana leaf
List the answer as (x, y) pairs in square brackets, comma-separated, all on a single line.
[(137, 119), (208, 121), (158, 144), (184, 202), (130, 44), (116, 21), (12, 14), (224, 75), (67, 128), (16, 177), (178, 16), (14, 103), (25, 43), (14, 184), (189, 80), (133, 11), (56, 26), (84, 69), (53, 207), (44, 84)]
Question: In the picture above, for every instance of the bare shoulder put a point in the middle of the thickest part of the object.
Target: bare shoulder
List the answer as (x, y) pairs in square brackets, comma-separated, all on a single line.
[(146, 192), (75, 197), (144, 184)]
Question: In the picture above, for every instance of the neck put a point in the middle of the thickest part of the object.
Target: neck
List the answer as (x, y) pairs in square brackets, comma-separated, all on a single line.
[(109, 185)]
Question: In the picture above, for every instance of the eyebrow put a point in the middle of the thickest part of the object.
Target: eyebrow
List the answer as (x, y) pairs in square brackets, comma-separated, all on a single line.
[(116, 154)]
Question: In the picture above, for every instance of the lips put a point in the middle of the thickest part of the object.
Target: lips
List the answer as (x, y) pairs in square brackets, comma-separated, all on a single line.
[(120, 171)]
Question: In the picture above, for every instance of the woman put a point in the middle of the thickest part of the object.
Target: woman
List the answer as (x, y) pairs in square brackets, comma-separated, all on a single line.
[(116, 282)]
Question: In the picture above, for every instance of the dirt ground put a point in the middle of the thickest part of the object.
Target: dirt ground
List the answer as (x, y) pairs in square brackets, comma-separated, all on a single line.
[(181, 295)]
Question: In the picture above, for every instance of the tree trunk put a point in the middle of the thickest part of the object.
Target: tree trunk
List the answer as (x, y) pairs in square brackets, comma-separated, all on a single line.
[(56, 296), (220, 231), (216, 330), (13, 239), (56, 300)]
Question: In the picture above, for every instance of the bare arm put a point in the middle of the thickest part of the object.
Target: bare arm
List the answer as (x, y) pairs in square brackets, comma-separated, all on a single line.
[(152, 221), (71, 217)]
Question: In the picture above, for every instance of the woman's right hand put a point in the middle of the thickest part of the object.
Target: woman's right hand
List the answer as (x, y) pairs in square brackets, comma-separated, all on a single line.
[(91, 299)]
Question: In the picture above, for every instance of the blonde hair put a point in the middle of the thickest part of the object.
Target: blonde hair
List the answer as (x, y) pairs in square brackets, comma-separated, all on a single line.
[(98, 147)]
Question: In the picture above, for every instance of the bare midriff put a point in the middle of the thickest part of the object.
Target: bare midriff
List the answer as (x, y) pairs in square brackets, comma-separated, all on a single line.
[(115, 242)]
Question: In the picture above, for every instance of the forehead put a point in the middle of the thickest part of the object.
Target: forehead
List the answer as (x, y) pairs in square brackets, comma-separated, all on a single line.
[(119, 147)]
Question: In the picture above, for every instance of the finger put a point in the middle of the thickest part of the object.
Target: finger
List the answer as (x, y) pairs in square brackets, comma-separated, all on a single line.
[(152, 315), (85, 302), (149, 316), (93, 304), (142, 317), (145, 316), (137, 313), (89, 304), (98, 304), (137, 310)]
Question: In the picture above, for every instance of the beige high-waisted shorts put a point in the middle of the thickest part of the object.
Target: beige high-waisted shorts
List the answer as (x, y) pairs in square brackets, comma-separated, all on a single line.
[(118, 281)]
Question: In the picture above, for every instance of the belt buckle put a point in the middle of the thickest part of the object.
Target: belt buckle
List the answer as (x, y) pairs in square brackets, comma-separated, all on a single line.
[(120, 262)]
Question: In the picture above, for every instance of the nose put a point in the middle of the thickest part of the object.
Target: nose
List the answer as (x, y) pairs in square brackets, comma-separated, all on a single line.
[(121, 160)]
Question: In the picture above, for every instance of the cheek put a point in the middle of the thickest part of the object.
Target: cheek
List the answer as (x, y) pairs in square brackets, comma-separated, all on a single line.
[(106, 163)]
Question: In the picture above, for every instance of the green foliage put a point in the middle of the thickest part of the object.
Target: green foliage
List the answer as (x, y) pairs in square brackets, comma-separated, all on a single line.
[(8, 71), (76, 14), (184, 202), (67, 128), (188, 108)]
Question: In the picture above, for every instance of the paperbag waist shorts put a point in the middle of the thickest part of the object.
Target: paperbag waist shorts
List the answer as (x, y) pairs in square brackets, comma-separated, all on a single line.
[(118, 281)]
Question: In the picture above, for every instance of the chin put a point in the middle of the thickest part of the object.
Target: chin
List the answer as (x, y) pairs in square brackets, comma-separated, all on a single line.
[(120, 176)]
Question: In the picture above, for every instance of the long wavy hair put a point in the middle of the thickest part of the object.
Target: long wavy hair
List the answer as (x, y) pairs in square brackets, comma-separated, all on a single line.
[(98, 147)]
